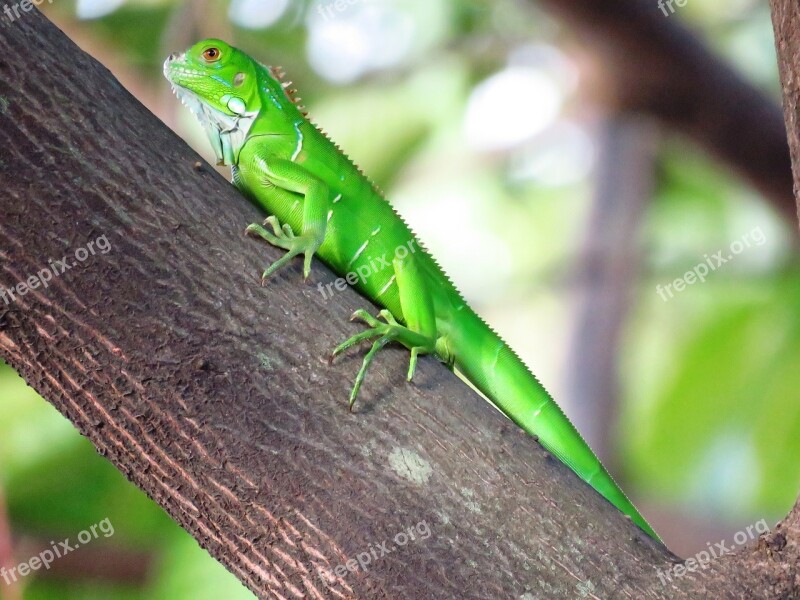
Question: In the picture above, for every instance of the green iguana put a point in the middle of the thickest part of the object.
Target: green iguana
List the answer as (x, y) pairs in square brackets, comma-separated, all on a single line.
[(321, 204)]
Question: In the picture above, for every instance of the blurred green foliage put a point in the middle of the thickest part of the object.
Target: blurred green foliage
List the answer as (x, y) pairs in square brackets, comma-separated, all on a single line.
[(712, 373), (708, 419)]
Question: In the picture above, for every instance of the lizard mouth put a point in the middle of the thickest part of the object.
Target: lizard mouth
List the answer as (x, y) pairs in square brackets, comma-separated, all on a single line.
[(179, 77), (178, 73)]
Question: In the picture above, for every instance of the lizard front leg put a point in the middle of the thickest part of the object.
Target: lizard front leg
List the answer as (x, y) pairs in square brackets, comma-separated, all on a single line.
[(291, 177)]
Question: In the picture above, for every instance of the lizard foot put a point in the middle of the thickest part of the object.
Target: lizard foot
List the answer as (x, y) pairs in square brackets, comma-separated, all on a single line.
[(282, 236), (385, 331)]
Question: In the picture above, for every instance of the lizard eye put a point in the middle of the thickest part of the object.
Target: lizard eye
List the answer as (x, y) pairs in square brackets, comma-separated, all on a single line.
[(212, 54)]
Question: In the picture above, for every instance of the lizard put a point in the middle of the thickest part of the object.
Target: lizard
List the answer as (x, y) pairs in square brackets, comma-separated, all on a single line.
[(319, 203)]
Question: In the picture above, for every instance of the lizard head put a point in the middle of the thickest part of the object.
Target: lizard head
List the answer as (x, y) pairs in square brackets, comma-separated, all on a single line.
[(218, 83)]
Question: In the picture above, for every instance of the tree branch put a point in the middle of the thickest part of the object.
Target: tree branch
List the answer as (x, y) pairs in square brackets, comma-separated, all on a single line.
[(786, 22), (606, 274), (660, 68), (212, 393)]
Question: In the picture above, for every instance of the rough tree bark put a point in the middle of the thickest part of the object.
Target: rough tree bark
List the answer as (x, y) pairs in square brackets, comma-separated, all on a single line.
[(661, 69), (786, 22), (213, 395)]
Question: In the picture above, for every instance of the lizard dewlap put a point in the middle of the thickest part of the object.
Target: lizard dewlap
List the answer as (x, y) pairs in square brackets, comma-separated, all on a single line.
[(321, 204)]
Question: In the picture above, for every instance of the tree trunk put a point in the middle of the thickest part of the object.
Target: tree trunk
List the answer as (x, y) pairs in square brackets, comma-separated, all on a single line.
[(213, 394), (786, 22)]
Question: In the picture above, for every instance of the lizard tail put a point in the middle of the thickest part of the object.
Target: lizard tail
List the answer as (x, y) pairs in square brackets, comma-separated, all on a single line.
[(492, 367)]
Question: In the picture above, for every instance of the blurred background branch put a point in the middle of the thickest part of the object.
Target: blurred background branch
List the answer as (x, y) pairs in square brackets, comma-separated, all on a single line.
[(655, 65), (606, 274)]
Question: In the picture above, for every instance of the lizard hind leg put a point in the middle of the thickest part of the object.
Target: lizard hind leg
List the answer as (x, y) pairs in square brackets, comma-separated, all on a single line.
[(419, 335), (383, 333)]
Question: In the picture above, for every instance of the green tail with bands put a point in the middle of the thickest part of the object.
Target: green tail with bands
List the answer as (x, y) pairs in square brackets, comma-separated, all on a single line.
[(492, 367)]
